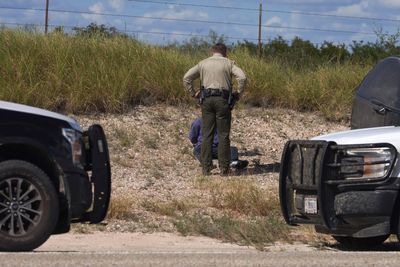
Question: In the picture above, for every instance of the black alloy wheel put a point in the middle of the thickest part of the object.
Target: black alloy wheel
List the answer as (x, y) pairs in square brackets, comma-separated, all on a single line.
[(28, 206)]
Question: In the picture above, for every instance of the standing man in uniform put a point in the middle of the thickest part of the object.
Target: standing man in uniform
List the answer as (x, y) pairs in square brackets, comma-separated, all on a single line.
[(216, 98)]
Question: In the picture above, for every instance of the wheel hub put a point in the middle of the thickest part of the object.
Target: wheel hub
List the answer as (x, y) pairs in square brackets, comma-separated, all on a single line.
[(20, 206), (14, 206)]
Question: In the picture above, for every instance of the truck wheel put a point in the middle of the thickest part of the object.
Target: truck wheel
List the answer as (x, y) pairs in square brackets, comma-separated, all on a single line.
[(28, 206), (360, 243)]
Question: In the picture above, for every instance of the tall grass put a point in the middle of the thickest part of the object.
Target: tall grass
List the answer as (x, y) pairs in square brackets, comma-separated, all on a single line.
[(78, 74)]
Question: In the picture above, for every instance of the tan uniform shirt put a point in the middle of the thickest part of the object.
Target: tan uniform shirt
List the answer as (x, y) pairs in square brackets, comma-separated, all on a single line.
[(215, 72)]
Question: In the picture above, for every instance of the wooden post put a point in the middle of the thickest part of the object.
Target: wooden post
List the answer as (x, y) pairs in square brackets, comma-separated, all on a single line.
[(46, 22), (259, 31)]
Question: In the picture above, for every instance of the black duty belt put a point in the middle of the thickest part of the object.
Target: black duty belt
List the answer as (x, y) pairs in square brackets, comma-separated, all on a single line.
[(216, 92)]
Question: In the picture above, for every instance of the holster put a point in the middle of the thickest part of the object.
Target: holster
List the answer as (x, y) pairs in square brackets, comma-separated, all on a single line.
[(231, 100), (202, 95)]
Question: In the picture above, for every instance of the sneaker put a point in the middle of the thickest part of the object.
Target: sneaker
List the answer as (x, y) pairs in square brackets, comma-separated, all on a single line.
[(234, 164), (239, 164)]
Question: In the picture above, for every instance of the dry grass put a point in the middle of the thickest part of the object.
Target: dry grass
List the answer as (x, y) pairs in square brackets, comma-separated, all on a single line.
[(242, 196), (126, 138), (122, 207), (76, 74), (151, 141), (307, 234), (169, 208), (254, 231), (235, 211)]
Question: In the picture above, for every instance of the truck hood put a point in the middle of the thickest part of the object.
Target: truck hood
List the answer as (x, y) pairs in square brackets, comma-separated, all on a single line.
[(40, 112), (387, 134)]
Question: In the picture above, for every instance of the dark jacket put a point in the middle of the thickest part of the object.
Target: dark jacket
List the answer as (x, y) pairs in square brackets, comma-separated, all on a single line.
[(195, 134)]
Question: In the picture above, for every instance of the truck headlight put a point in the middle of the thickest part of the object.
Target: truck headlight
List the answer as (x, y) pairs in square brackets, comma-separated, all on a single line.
[(366, 163), (74, 138)]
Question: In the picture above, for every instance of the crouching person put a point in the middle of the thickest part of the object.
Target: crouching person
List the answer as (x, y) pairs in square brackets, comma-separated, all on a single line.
[(196, 140)]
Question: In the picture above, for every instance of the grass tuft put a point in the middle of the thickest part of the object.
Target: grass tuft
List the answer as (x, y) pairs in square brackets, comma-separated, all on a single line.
[(151, 141), (122, 207), (241, 196), (168, 208), (125, 137), (254, 231)]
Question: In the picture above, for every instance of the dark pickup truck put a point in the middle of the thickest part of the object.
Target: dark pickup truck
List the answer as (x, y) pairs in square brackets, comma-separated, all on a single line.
[(52, 174)]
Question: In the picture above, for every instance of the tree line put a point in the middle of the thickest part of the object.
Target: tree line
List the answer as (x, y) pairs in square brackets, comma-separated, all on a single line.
[(298, 53)]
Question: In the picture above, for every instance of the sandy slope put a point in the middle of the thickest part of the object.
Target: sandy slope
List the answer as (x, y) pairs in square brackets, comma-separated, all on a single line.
[(152, 159)]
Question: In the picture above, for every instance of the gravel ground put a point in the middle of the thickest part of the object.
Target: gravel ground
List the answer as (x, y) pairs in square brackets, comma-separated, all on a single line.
[(152, 156)]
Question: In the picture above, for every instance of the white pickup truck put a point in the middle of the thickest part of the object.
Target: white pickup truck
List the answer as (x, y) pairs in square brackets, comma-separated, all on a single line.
[(347, 184)]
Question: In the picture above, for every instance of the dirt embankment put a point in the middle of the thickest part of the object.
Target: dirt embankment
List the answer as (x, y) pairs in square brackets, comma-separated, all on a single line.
[(157, 181)]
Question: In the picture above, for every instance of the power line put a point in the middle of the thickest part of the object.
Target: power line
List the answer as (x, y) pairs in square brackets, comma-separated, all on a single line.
[(193, 21), (195, 5), (270, 10), (132, 31)]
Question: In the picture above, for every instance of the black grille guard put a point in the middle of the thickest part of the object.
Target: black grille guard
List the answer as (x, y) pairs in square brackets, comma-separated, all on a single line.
[(311, 167), (98, 160)]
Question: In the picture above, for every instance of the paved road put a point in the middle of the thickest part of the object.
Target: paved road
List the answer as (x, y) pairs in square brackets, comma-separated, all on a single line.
[(171, 250)]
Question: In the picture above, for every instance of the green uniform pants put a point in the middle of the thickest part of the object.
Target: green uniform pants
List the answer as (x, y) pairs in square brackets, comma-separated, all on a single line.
[(216, 114)]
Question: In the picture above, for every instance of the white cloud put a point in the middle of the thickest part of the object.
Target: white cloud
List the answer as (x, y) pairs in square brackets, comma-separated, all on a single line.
[(172, 12), (95, 8), (277, 22), (359, 9), (225, 2), (117, 5), (29, 14), (175, 13), (388, 3), (274, 21), (177, 36), (62, 17)]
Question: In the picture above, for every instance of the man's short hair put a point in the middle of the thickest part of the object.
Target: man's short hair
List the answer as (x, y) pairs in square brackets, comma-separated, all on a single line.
[(220, 48)]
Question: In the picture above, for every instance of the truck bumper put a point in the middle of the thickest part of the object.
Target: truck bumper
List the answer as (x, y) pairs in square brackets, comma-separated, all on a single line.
[(361, 213), (363, 204), (311, 193)]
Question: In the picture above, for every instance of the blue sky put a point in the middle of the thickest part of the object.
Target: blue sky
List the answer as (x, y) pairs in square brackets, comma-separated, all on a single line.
[(279, 16)]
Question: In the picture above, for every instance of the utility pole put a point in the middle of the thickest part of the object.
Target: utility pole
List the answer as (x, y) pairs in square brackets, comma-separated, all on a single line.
[(46, 22), (259, 31)]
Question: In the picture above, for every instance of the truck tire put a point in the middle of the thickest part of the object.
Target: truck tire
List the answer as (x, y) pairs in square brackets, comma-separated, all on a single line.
[(28, 206), (360, 243)]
